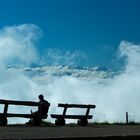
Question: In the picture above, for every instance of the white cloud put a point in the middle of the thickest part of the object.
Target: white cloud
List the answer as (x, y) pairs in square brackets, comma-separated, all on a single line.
[(113, 96), (131, 53), (59, 57), (17, 44)]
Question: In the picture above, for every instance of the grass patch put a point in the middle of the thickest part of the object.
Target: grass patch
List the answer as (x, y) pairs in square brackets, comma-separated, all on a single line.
[(50, 124)]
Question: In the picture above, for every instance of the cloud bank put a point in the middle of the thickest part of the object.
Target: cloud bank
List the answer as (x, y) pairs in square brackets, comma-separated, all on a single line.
[(113, 96), (17, 44)]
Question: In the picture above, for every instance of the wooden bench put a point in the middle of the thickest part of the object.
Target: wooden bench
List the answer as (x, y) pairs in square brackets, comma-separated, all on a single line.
[(82, 119), (5, 114)]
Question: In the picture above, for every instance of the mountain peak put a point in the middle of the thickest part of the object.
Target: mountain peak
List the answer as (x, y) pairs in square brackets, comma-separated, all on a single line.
[(62, 70)]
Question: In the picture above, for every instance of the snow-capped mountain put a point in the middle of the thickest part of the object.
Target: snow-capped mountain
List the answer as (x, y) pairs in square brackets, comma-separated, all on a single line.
[(58, 71)]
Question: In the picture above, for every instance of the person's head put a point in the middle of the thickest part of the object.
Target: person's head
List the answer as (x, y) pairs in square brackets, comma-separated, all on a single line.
[(41, 97)]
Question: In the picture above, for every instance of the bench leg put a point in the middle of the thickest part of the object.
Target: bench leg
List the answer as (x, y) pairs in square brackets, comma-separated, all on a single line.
[(60, 122), (82, 122), (3, 121)]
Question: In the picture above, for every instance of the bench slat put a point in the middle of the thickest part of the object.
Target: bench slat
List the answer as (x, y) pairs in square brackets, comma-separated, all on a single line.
[(18, 115), (76, 105), (71, 116), (26, 103), (22, 115)]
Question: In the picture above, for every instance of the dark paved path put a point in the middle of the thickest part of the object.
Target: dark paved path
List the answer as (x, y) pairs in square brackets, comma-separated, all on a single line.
[(97, 131)]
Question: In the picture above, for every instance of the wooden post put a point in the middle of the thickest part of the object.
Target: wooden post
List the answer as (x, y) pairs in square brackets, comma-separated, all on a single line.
[(5, 109), (64, 111), (88, 110), (126, 117)]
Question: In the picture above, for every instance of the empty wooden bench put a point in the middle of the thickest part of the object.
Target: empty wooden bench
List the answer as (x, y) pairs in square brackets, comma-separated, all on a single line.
[(82, 119), (5, 114)]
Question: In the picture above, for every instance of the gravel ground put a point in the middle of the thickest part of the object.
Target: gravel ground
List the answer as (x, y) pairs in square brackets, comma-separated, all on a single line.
[(55, 132)]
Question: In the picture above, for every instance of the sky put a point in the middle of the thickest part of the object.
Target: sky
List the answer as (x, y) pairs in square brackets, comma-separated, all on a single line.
[(73, 32), (94, 28)]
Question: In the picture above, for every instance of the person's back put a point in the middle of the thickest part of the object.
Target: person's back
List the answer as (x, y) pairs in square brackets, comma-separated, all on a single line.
[(44, 106)]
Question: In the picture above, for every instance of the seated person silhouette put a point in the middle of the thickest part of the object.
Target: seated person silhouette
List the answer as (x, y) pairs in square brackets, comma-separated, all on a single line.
[(41, 113)]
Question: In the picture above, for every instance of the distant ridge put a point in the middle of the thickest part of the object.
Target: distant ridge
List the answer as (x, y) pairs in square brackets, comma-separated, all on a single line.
[(62, 70)]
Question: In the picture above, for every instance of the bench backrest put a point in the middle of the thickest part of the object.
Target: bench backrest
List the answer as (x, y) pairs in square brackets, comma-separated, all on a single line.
[(65, 106), (12, 102), (76, 105)]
